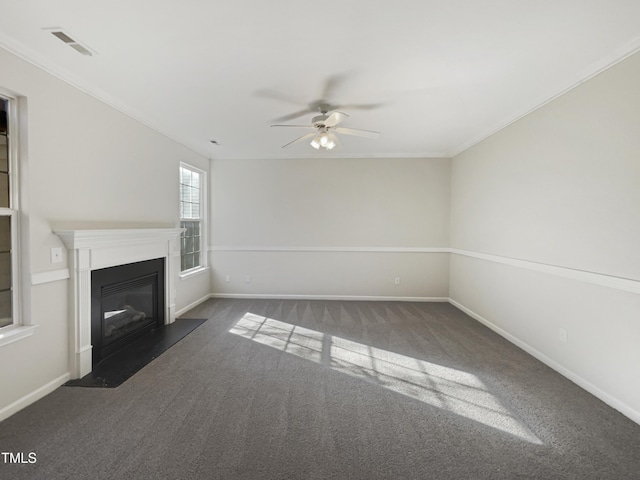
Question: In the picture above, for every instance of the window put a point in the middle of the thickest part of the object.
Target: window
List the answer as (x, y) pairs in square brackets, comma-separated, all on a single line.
[(8, 217), (191, 215)]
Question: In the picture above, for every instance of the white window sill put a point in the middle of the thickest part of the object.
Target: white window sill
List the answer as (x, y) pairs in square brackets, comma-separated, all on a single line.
[(193, 272), (13, 334)]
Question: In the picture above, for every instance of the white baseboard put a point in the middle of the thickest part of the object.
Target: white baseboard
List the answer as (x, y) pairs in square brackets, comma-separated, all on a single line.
[(330, 297), (331, 249), (194, 304), (34, 396), (575, 378)]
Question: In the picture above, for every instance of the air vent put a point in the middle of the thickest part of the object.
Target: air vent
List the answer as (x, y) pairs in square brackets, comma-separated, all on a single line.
[(80, 49), (77, 46), (64, 37)]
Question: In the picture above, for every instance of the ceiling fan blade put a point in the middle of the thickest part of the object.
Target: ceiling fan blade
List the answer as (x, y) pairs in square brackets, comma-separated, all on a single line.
[(357, 132), (362, 106), (292, 125), (293, 115), (331, 84), (275, 95), (300, 139), (335, 118)]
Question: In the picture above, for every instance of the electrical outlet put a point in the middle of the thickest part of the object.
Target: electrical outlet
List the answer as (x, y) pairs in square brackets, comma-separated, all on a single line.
[(227, 278), (562, 335), (397, 281), (56, 254), (247, 279)]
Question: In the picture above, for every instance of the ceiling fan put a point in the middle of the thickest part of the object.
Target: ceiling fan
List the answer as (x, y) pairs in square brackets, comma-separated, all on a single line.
[(325, 130), (330, 88)]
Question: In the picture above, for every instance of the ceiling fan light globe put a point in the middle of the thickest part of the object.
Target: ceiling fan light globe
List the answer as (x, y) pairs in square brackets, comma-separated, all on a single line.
[(315, 144)]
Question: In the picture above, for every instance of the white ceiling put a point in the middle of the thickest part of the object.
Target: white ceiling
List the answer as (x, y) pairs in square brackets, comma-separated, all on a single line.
[(441, 74)]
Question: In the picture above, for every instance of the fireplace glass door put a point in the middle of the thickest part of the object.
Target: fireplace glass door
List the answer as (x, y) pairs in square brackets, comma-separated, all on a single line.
[(126, 308)]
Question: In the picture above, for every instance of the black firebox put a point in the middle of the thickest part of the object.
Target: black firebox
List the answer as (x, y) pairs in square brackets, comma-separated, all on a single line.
[(127, 302)]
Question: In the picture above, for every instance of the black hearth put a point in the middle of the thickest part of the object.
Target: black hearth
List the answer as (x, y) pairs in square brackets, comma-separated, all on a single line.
[(127, 303)]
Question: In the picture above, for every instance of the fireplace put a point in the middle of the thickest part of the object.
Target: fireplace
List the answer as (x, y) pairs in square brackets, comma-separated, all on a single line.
[(127, 302), (96, 249)]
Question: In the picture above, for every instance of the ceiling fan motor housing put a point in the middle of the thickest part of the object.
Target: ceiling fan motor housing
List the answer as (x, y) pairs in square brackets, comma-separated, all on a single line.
[(319, 121)]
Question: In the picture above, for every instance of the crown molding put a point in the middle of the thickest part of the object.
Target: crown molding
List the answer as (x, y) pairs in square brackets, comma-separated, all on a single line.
[(596, 68), (338, 156), (49, 67), (615, 57)]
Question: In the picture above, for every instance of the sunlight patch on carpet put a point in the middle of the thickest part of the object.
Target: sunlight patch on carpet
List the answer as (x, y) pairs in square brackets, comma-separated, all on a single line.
[(453, 390)]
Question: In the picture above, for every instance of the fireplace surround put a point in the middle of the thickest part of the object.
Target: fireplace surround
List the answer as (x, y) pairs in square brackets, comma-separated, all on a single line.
[(90, 250)]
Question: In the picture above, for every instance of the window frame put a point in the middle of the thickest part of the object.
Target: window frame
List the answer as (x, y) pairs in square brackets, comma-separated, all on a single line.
[(11, 211), (21, 326), (202, 219)]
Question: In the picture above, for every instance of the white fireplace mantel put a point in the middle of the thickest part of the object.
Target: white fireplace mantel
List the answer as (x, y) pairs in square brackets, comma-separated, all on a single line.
[(94, 249)]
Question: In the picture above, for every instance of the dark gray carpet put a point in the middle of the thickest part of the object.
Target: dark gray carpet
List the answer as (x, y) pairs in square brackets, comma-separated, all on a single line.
[(270, 389)]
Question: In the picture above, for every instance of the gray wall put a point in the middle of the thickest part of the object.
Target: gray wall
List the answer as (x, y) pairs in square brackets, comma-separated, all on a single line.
[(331, 227), (87, 165), (554, 201)]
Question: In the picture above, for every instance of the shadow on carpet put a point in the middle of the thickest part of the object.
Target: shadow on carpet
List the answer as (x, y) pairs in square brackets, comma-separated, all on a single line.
[(114, 370)]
